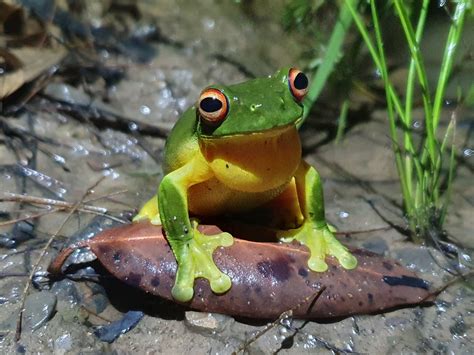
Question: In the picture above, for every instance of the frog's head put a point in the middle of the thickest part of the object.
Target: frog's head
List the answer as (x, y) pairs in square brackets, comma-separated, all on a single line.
[(254, 106)]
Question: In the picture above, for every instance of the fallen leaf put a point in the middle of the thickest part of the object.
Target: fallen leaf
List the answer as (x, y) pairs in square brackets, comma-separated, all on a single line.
[(267, 278), (27, 64)]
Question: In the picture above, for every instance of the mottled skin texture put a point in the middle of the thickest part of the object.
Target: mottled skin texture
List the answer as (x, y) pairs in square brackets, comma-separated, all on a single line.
[(251, 159)]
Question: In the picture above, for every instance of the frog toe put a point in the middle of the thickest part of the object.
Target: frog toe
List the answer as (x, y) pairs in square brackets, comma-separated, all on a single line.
[(204, 264), (321, 243), (182, 293), (346, 259), (317, 263), (221, 284), (211, 242), (199, 263), (339, 251)]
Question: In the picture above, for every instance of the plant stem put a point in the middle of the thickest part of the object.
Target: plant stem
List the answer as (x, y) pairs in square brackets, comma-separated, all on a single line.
[(420, 171), (409, 100), (331, 57), (342, 121), (414, 48), (454, 37)]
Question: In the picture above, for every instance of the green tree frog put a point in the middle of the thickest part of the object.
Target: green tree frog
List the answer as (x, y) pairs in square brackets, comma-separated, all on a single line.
[(238, 150)]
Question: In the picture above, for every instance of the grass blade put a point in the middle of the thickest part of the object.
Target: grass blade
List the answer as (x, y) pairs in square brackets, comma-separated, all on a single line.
[(331, 57)]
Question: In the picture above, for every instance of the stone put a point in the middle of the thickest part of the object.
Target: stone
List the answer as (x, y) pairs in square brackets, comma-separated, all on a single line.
[(39, 308), (207, 322)]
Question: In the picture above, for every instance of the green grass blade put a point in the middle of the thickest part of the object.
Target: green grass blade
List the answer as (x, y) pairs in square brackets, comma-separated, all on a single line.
[(342, 121), (451, 170), (409, 159), (414, 48), (404, 179), (331, 57), (454, 37)]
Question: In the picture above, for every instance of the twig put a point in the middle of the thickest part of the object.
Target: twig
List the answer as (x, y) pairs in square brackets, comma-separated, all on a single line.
[(12, 197), (40, 214), (363, 231), (41, 256), (61, 205), (284, 315), (115, 193), (269, 326), (436, 292), (105, 215), (12, 274)]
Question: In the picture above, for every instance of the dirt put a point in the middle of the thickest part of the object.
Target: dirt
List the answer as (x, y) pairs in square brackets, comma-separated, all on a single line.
[(361, 191)]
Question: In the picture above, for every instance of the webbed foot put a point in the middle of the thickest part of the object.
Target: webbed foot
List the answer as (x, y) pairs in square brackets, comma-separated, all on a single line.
[(321, 242), (196, 261)]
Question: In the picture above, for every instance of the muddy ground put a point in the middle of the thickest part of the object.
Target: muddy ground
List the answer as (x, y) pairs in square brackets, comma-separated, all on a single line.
[(67, 154)]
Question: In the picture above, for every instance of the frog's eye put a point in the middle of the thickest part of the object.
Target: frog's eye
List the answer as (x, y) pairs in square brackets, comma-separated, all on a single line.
[(298, 83), (213, 106)]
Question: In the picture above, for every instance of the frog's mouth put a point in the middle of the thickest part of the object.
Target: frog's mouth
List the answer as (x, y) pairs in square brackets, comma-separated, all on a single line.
[(252, 135)]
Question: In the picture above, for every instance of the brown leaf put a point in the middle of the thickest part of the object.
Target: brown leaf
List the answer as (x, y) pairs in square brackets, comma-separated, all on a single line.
[(267, 278), (27, 63), (11, 18), (18, 28)]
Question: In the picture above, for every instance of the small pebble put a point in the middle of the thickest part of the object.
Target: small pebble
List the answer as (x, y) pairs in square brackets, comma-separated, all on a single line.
[(63, 342), (112, 331), (39, 308), (207, 322)]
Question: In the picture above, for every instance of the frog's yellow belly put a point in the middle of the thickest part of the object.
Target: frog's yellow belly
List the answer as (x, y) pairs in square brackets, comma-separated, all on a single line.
[(255, 163), (212, 197), (249, 170)]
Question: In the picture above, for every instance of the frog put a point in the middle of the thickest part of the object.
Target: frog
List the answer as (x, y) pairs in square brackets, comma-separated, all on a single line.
[(234, 151)]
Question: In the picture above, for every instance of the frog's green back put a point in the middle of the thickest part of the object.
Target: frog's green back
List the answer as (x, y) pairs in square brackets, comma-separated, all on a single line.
[(182, 142)]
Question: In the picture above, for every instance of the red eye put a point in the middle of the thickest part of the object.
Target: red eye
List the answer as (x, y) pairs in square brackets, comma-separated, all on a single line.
[(213, 106), (298, 83)]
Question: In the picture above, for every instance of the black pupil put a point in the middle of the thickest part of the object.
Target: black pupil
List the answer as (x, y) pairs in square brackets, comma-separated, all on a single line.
[(301, 81), (210, 104)]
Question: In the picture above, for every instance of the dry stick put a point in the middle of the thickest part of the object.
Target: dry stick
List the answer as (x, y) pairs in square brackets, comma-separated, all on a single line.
[(284, 315), (106, 195), (33, 216), (105, 215), (40, 258), (363, 231), (12, 274), (13, 221), (12, 197), (62, 205), (436, 292)]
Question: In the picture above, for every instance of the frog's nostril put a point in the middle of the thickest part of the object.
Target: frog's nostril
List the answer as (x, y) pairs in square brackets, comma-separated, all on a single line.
[(253, 107)]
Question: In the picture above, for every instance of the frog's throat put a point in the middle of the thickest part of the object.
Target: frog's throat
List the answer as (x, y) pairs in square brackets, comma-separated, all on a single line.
[(254, 162)]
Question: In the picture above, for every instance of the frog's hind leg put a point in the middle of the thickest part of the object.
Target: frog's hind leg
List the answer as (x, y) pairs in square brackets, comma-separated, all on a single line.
[(315, 233), (149, 211)]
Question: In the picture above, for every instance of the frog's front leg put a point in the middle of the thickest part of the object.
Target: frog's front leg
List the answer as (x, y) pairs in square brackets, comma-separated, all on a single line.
[(193, 250), (315, 233)]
